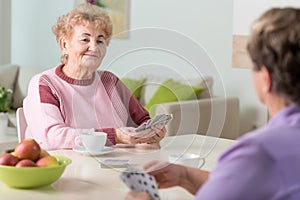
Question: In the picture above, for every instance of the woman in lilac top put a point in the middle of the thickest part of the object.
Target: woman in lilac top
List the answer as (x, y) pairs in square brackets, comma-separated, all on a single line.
[(264, 164), (75, 97)]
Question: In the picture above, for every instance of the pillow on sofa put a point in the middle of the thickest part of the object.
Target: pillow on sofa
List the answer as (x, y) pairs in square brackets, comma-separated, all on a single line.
[(8, 75), (153, 82), (135, 86), (22, 82), (205, 82), (170, 91)]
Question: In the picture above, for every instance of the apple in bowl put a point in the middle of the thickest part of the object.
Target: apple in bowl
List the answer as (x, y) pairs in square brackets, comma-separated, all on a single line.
[(28, 149), (8, 159), (47, 161), (33, 177), (28, 153), (30, 166)]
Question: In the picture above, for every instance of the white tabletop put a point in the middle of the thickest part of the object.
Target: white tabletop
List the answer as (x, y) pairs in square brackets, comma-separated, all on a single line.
[(85, 179)]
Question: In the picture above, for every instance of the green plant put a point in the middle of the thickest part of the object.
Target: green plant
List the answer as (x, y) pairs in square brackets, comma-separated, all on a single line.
[(5, 100)]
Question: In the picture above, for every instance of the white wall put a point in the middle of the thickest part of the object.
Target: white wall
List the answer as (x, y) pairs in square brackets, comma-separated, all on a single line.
[(5, 31), (245, 12), (32, 40), (179, 30)]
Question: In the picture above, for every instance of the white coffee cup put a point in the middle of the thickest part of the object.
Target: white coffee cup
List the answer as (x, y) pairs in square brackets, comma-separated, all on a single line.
[(187, 159), (92, 141)]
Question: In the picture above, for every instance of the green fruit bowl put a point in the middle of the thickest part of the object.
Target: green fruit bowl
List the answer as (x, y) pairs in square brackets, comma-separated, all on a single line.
[(32, 177)]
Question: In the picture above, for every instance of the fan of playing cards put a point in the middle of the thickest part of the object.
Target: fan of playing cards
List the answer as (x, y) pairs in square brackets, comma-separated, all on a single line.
[(140, 181), (158, 119)]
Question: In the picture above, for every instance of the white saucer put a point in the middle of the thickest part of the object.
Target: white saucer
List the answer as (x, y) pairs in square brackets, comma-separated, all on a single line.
[(82, 150)]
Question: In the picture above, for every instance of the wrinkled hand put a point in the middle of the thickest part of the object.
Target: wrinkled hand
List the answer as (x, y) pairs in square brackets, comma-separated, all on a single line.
[(127, 135), (159, 133), (138, 196), (166, 174)]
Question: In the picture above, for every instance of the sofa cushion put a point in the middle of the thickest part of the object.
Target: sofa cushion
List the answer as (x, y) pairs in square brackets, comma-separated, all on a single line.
[(22, 82), (8, 76), (206, 82), (153, 83), (135, 86), (170, 91)]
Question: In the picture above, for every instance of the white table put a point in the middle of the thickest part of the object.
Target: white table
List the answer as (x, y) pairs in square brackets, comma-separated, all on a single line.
[(85, 179), (8, 140)]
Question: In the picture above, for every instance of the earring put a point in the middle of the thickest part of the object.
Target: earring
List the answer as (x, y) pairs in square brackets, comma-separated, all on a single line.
[(265, 89), (64, 58)]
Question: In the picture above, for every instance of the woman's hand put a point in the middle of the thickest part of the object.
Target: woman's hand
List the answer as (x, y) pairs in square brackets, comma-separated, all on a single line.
[(169, 175), (166, 174), (128, 135), (160, 132)]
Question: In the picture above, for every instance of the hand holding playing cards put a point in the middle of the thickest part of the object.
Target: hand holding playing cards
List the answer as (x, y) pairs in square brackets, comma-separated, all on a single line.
[(170, 175), (162, 120), (141, 184), (128, 135), (166, 174)]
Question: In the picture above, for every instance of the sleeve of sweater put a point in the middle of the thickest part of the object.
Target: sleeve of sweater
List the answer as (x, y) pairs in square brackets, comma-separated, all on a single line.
[(45, 120), (137, 114)]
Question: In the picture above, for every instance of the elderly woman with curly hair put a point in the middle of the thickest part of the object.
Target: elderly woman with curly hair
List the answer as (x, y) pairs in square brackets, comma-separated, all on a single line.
[(75, 97)]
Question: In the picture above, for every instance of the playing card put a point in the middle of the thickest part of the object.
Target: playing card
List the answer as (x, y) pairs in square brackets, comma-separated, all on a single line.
[(140, 181), (158, 119)]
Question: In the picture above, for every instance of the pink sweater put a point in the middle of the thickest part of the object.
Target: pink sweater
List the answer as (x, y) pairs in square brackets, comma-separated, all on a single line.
[(57, 108)]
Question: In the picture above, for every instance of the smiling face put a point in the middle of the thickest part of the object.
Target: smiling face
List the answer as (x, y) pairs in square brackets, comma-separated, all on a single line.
[(86, 48)]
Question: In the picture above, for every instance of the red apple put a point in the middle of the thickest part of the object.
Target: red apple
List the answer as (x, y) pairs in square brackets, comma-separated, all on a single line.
[(47, 161), (28, 149), (8, 159), (26, 163)]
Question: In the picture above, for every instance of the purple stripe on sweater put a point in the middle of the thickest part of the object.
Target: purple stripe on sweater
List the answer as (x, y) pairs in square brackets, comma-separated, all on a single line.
[(46, 96)]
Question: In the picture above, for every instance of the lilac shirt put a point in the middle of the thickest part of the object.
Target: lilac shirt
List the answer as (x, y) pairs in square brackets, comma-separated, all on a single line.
[(262, 165)]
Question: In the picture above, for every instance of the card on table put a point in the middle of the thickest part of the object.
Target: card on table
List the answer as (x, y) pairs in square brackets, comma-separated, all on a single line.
[(140, 181)]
